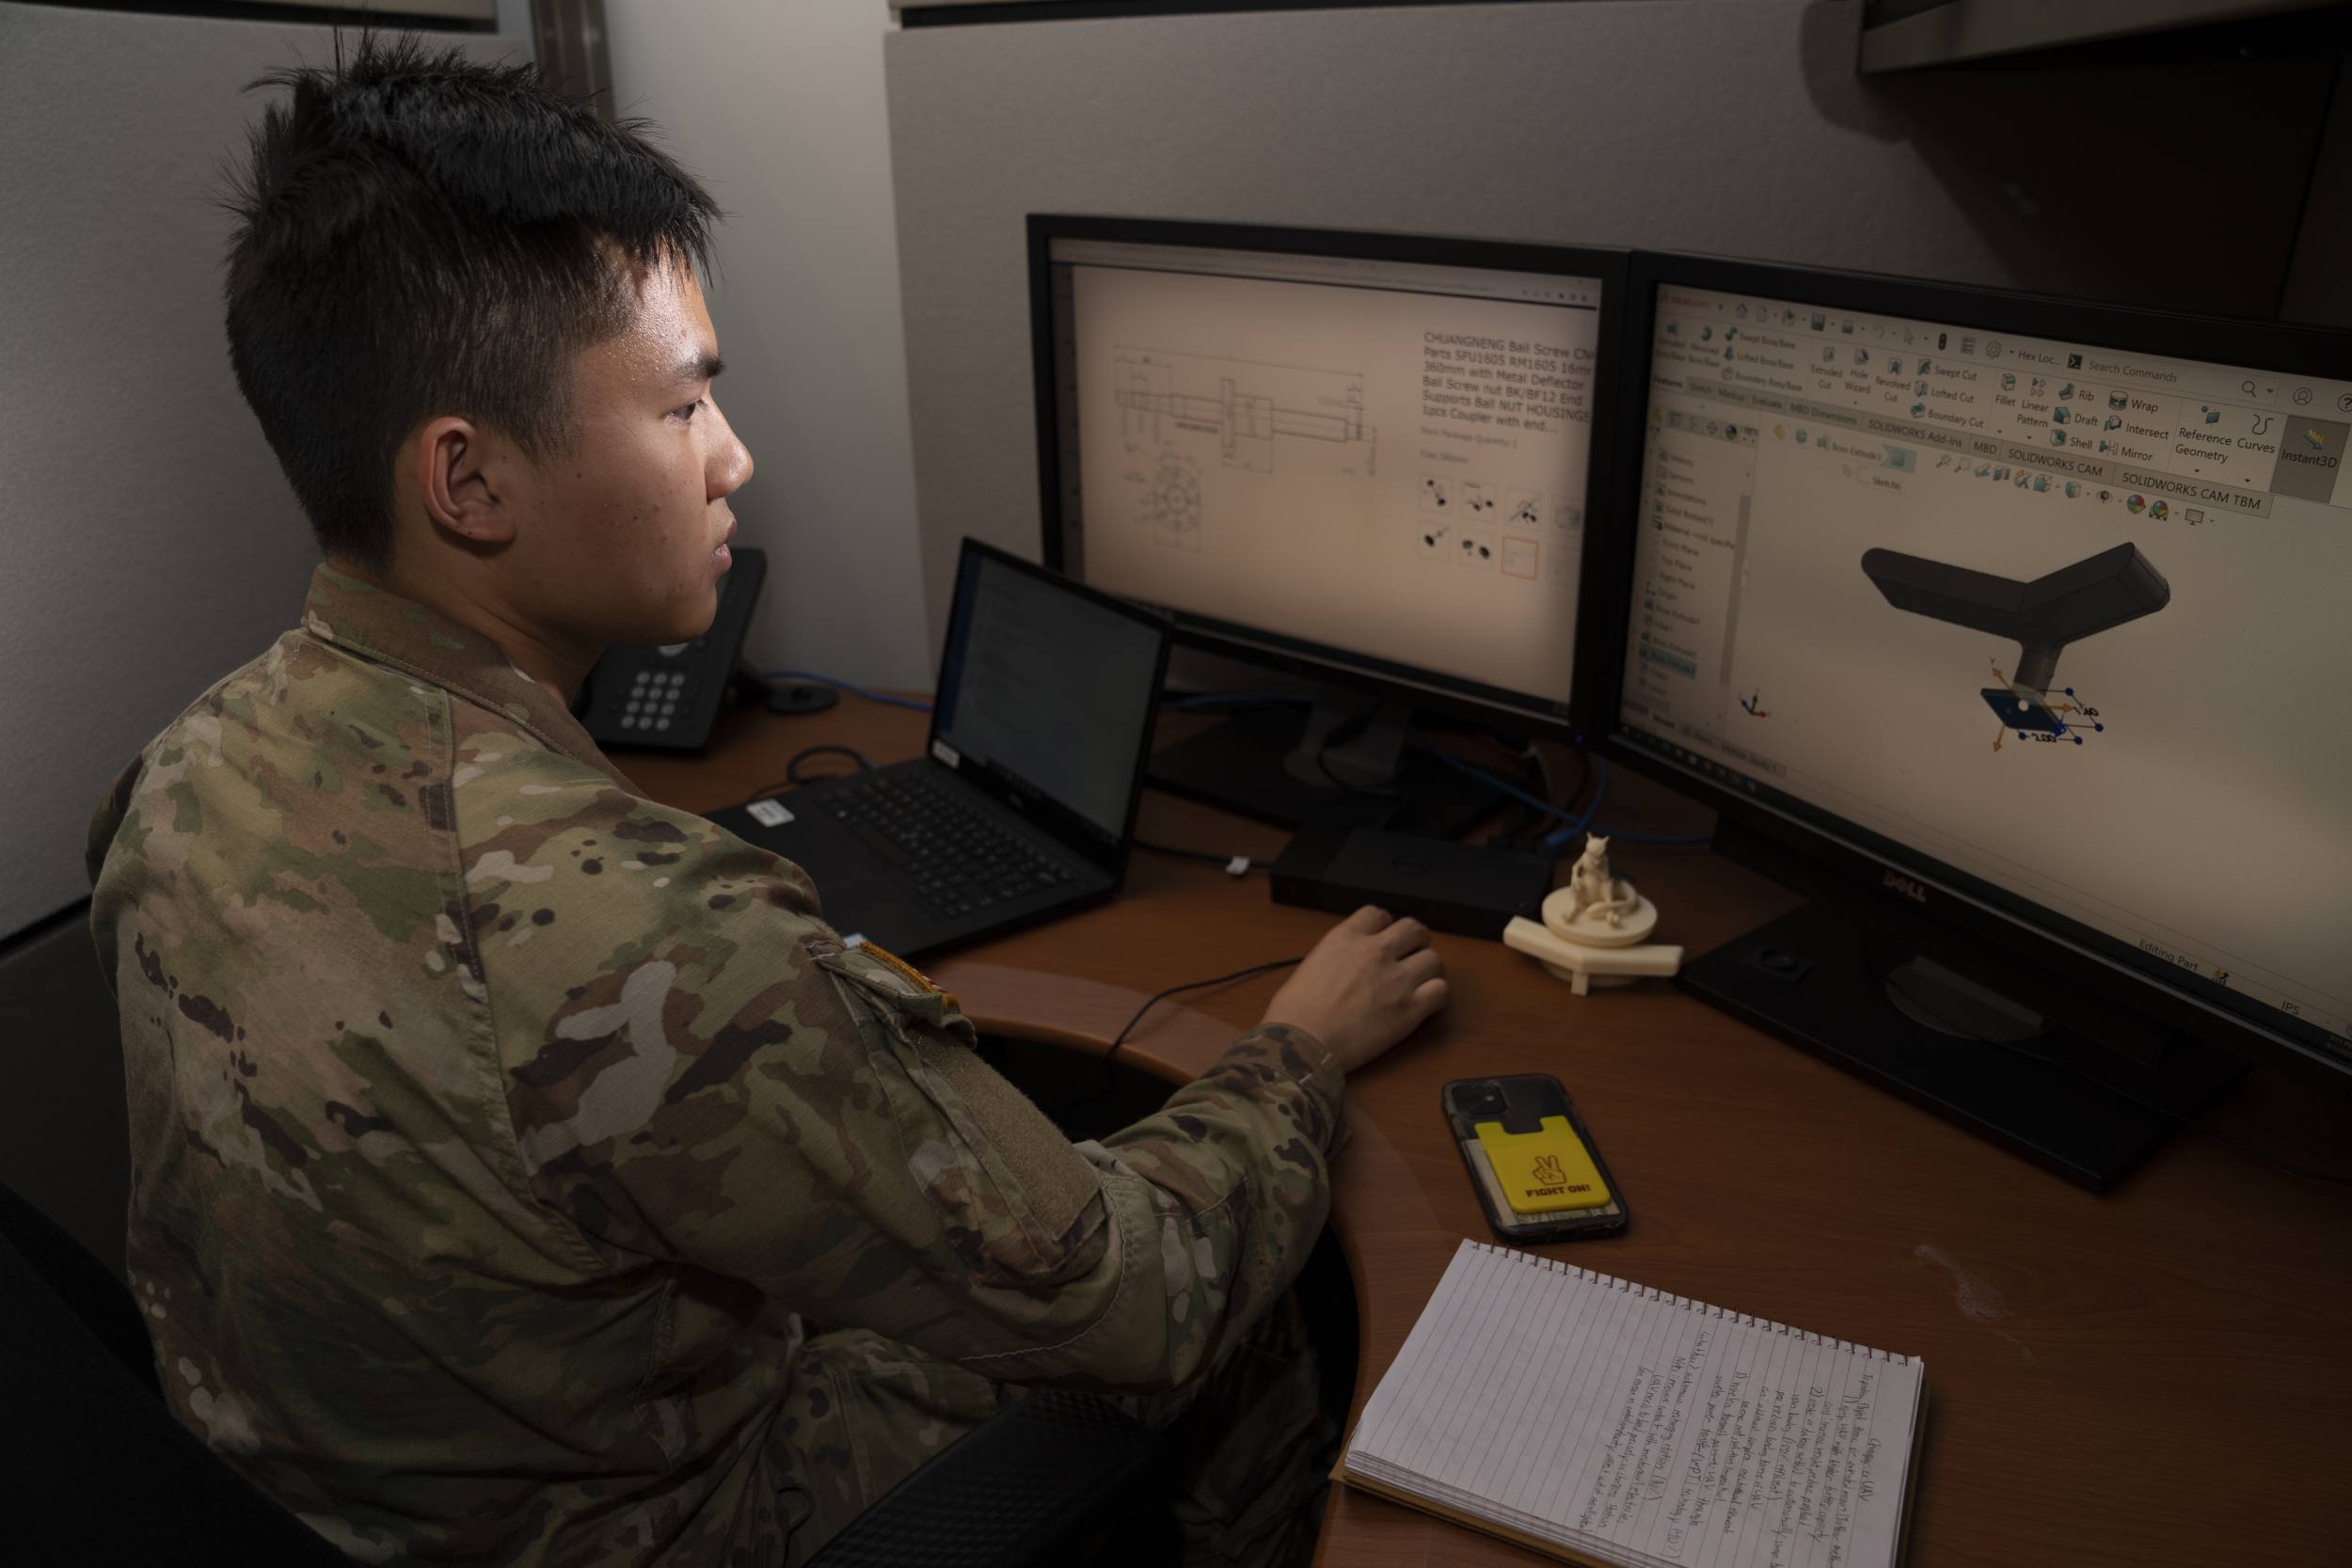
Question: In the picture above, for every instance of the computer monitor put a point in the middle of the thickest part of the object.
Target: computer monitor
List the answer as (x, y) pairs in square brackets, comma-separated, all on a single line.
[(2012, 631), (1363, 459)]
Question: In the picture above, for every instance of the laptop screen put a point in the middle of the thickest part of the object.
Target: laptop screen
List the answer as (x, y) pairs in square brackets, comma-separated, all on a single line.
[(1046, 688)]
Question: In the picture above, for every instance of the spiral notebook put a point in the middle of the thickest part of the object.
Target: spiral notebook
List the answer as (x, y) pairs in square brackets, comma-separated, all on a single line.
[(1603, 1422)]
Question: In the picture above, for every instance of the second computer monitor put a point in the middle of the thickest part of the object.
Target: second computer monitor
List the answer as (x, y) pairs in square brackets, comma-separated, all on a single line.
[(1363, 452), (2031, 607)]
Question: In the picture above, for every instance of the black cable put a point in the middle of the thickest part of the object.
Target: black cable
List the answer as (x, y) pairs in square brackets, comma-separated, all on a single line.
[(1887, 977), (1209, 855), (1524, 827), (1076, 1100), (1584, 777), (793, 780), (2311, 183), (793, 768)]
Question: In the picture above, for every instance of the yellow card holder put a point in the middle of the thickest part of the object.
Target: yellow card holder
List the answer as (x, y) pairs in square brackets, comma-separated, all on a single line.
[(1543, 1172)]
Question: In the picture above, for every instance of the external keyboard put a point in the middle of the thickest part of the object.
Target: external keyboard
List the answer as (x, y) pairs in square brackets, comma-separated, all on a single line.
[(944, 851)]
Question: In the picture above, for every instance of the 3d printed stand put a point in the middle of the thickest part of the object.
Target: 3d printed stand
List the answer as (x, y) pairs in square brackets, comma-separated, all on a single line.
[(1593, 929), (2043, 615)]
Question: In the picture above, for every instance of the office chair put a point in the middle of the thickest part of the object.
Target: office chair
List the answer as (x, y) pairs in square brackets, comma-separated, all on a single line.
[(103, 1472), (107, 1475), (1057, 1478)]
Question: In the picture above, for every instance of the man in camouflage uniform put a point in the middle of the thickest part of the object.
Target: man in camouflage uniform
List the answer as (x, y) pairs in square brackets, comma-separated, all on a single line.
[(497, 1133)]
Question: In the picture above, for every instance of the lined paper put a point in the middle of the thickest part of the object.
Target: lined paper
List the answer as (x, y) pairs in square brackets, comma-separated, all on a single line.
[(1635, 1427)]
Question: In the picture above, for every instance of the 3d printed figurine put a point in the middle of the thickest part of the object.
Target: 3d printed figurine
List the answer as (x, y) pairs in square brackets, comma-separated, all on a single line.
[(1593, 929), (1595, 895), (2044, 615)]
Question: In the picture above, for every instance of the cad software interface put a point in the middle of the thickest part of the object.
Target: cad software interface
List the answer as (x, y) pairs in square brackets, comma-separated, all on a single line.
[(1379, 457), (2070, 620), (1048, 689)]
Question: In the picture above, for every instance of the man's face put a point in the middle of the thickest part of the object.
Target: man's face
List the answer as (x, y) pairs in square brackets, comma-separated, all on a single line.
[(627, 529)]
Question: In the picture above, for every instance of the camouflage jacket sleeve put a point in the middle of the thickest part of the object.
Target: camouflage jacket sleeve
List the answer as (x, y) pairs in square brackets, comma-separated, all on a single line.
[(699, 1071)]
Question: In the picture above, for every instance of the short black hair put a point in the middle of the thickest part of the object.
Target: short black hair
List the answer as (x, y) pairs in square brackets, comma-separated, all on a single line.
[(420, 234)]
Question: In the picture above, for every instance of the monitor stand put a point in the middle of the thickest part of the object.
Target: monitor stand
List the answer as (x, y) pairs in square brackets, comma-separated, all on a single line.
[(1958, 1028), (1336, 761)]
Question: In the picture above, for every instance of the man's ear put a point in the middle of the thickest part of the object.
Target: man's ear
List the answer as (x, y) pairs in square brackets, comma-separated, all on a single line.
[(459, 492)]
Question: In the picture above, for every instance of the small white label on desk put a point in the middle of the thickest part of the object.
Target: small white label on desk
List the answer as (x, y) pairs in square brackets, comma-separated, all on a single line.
[(768, 813), (946, 753)]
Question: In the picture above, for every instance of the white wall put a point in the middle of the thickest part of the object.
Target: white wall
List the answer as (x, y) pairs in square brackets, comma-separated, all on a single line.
[(779, 107), (148, 544)]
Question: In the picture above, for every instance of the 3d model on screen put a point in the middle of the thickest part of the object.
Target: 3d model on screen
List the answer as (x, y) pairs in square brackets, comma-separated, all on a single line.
[(2043, 616)]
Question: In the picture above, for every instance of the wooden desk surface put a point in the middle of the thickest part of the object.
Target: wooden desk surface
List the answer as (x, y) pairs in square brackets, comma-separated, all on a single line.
[(2158, 1374)]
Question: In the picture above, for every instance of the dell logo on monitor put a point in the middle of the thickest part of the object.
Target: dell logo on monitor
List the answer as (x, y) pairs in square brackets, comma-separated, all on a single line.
[(1908, 888)]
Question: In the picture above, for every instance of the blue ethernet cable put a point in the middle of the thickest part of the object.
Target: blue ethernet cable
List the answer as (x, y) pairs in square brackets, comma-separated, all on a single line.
[(1557, 842), (845, 686)]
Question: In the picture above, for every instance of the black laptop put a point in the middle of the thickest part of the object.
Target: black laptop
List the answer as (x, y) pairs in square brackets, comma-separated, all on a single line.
[(1023, 808)]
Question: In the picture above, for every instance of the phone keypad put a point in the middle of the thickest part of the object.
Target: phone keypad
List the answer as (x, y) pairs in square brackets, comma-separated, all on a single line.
[(657, 698)]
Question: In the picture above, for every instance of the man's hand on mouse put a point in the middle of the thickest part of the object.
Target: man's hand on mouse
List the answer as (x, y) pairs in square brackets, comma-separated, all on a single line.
[(1367, 984)]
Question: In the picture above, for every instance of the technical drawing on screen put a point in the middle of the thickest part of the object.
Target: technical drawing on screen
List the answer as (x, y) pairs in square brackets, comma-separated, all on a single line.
[(2065, 619), (1243, 405), (1383, 458)]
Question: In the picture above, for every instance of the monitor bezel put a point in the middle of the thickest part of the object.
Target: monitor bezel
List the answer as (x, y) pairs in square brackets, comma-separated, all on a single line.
[(1518, 713), (1877, 869), (1070, 829)]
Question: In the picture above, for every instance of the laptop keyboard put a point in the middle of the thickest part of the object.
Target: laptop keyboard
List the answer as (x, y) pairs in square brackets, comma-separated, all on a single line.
[(948, 853)]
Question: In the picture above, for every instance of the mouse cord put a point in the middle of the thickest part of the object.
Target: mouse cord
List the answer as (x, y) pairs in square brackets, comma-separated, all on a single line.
[(1077, 1099)]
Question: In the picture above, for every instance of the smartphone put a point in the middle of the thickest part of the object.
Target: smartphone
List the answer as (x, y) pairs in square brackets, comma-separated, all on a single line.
[(1537, 1170)]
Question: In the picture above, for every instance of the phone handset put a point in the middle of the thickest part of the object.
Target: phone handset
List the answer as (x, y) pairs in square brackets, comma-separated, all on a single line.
[(668, 698)]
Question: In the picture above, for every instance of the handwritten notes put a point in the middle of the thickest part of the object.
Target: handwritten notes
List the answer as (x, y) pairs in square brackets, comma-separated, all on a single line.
[(1585, 1412)]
